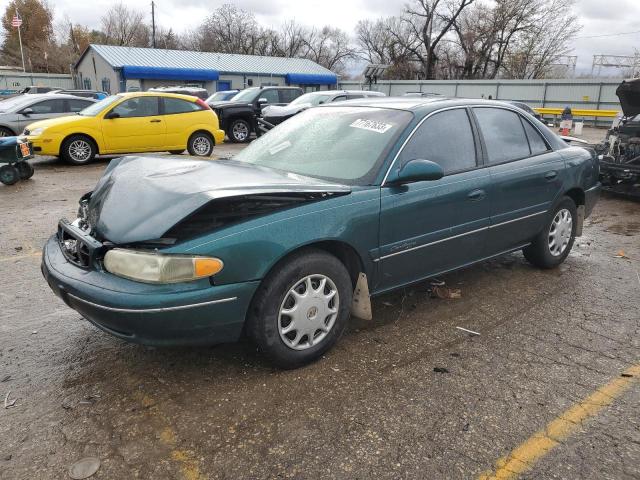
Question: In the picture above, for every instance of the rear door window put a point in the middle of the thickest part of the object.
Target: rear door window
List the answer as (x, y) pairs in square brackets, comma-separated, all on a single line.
[(48, 106), (445, 138), (175, 105), (77, 105), (288, 95), (503, 134)]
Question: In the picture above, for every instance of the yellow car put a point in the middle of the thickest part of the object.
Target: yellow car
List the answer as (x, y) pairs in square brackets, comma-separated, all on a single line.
[(129, 123)]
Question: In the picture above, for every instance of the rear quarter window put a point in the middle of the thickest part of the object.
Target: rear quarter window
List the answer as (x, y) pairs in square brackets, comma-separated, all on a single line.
[(173, 106)]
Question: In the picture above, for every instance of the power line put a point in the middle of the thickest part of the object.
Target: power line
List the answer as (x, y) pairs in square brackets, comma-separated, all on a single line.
[(610, 34)]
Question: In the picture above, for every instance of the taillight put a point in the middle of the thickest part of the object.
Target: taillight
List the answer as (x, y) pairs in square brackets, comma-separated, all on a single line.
[(203, 104)]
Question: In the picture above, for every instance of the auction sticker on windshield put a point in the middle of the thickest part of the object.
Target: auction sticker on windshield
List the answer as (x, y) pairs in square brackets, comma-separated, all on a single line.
[(372, 125)]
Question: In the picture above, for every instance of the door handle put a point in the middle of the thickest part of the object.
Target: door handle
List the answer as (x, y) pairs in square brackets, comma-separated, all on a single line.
[(551, 175), (155, 120), (476, 195)]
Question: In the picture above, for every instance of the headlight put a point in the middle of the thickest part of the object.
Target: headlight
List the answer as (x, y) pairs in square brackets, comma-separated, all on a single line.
[(150, 267), (36, 131)]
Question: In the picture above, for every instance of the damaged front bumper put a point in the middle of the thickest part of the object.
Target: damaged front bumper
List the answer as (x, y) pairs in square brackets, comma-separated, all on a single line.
[(193, 313)]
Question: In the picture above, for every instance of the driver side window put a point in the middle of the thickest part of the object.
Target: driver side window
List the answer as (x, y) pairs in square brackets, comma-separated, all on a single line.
[(445, 138), (138, 107), (270, 95)]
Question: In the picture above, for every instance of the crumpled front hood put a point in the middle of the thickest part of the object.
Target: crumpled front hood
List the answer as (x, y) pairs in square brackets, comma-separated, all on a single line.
[(284, 111), (629, 95), (139, 198)]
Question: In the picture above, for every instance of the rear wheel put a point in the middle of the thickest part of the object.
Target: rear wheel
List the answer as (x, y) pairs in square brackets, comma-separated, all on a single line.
[(200, 144), (239, 131), (25, 170), (552, 245), (301, 308), (78, 150), (9, 174)]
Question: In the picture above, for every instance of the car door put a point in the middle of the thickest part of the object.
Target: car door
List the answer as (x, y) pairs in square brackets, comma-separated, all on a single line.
[(137, 127), (41, 110), (179, 115), (433, 226), (526, 176)]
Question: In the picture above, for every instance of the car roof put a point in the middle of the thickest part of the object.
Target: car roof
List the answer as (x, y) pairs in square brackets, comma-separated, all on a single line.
[(158, 93), (373, 93), (414, 104)]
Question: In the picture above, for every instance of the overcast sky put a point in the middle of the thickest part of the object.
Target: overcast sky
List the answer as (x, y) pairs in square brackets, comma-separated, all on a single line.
[(598, 17)]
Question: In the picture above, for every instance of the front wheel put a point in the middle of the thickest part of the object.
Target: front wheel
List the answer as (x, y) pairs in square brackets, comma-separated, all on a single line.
[(78, 150), (9, 174), (200, 144), (301, 308), (552, 245)]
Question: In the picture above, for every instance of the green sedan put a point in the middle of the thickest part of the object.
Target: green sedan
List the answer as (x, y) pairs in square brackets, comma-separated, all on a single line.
[(293, 235)]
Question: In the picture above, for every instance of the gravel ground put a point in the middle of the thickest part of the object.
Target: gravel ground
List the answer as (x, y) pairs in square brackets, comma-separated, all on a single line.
[(373, 407)]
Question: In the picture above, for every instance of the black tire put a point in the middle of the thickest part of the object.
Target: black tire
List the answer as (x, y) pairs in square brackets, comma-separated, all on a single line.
[(176, 152), (239, 131), (6, 132), (9, 174), (548, 249), (25, 170), (200, 144), (78, 150), (264, 319)]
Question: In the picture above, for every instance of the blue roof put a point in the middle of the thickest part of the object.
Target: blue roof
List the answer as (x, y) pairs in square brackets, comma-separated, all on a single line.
[(311, 78), (119, 57)]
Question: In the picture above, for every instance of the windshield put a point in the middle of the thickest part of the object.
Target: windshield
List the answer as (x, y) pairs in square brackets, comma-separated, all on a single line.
[(312, 98), (340, 144), (218, 96), (248, 95), (96, 108)]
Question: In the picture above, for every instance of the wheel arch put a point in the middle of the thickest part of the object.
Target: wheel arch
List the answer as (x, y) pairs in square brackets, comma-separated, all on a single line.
[(7, 127), (201, 130), (577, 195), (82, 134)]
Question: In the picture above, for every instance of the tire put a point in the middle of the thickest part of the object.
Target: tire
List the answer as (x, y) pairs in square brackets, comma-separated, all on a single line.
[(9, 174), (201, 144), (267, 324), (6, 132), (552, 245), (176, 152), (239, 131), (78, 150), (25, 170)]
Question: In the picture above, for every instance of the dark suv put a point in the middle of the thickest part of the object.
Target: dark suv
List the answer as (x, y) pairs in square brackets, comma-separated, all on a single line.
[(237, 116)]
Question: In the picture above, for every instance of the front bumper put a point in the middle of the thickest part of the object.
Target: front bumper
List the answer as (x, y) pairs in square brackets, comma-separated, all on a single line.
[(44, 145), (194, 313)]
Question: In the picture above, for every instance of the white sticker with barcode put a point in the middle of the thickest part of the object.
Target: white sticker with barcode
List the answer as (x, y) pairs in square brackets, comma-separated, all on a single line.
[(281, 146), (371, 125)]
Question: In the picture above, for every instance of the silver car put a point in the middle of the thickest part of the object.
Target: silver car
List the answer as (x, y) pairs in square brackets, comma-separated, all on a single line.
[(17, 112)]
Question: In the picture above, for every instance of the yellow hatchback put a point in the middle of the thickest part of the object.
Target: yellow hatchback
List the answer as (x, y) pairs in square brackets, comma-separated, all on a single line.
[(129, 123)]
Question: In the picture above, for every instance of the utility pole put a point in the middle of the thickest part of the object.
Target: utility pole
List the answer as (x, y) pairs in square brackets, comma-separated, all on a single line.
[(153, 23)]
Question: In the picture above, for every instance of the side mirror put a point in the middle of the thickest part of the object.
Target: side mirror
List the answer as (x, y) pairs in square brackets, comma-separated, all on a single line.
[(112, 115), (27, 111), (262, 101), (418, 170)]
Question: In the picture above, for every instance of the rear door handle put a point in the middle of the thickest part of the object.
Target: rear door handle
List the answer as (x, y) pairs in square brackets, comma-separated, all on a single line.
[(551, 175), (476, 195), (155, 120)]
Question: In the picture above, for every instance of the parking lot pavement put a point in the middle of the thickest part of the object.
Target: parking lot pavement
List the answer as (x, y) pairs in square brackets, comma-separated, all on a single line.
[(549, 389)]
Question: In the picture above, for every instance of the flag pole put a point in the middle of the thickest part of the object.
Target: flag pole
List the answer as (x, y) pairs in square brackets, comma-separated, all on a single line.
[(20, 39)]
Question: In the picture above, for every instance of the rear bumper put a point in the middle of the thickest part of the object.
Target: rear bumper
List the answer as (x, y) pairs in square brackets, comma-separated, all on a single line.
[(180, 314)]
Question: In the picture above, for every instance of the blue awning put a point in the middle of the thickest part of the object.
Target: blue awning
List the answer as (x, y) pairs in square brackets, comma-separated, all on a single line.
[(311, 78), (166, 73)]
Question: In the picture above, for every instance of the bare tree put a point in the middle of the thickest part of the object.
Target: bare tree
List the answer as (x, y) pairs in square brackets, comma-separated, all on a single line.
[(124, 26), (330, 47)]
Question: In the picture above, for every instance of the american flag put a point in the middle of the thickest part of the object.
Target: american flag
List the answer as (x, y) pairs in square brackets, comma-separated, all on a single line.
[(17, 21)]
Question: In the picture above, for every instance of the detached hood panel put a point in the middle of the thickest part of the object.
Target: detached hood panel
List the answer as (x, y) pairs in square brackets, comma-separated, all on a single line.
[(629, 95), (139, 198)]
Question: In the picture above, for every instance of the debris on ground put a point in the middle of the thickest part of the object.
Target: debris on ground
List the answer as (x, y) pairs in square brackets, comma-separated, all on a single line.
[(9, 403), (6, 378), (468, 331), (620, 254), (454, 354), (440, 370), (627, 375), (440, 290), (84, 468), (17, 249)]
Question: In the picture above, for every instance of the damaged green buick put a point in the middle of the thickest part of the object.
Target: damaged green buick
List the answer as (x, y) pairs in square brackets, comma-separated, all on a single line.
[(286, 240)]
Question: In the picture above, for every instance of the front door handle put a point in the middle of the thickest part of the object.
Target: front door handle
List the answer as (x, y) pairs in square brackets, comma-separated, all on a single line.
[(551, 175), (476, 195), (155, 120)]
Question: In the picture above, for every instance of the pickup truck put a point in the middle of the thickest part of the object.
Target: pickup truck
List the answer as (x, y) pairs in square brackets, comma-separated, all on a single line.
[(237, 116)]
